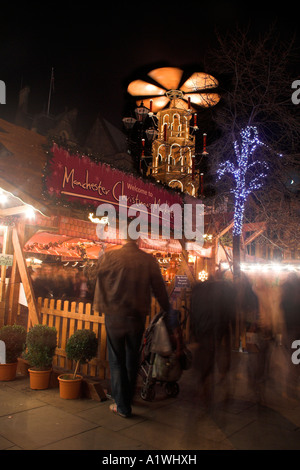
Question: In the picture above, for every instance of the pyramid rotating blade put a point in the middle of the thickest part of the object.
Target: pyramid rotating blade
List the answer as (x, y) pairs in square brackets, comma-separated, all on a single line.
[(205, 100), (158, 103), (199, 81), (141, 88), (168, 77)]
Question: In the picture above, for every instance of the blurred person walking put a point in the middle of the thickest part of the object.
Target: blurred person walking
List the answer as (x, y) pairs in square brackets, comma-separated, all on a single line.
[(290, 304), (126, 279), (213, 304)]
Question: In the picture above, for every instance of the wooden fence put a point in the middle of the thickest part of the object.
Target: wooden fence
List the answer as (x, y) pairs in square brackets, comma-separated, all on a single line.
[(67, 317)]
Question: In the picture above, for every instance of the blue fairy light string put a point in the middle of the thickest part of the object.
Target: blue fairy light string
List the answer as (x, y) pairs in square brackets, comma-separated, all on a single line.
[(243, 152)]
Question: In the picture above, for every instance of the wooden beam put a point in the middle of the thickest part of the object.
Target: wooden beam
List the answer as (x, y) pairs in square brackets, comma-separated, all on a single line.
[(25, 198), (250, 227), (14, 210), (185, 264), (13, 288), (225, 230), (253, 236), (253, 226), (33, 311)]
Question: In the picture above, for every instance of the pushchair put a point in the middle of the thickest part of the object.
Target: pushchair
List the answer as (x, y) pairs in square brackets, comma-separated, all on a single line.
[(160, 361)]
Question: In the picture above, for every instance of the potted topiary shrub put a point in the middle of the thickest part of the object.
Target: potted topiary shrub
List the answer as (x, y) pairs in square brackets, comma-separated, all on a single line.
[(81, 347), (41, 343), (14, 337)]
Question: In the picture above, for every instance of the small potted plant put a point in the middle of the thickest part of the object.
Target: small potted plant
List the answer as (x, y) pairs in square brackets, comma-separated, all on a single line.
[(81, 347), (41, 344), (14, 338)]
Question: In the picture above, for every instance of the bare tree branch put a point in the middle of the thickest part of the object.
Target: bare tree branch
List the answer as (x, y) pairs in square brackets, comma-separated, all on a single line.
[(256, 77)]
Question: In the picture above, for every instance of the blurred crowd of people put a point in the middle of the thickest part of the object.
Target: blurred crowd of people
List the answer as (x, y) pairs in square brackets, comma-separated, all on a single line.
[(62, 282), (269, 314)]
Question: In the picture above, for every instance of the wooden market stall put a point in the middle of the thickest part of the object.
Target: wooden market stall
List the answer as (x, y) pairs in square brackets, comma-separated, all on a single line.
[(48, 210)]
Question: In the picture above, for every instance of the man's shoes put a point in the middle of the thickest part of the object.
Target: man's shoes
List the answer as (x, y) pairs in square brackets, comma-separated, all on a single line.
[(114, 409)]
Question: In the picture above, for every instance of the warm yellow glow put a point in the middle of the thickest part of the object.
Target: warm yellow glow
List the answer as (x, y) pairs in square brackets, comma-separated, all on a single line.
[(207, 237), (33, 261), (3, 197), (141, 88), (25, 208), (203, 276), (103, 220), (168, 77), (176, 184), (191, 188), (199, 81), (30, 214), (157, 103)]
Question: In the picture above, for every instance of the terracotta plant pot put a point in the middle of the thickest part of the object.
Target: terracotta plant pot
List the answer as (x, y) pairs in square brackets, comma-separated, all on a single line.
[(39, 379), (69, 388), (8, 371)]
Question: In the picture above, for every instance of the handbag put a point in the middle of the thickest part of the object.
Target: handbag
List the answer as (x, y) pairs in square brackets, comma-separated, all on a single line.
[(166, 369), (161, 343)]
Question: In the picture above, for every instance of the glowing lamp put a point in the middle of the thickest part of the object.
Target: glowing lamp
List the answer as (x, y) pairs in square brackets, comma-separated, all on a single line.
[(30, 214), (203, 276)]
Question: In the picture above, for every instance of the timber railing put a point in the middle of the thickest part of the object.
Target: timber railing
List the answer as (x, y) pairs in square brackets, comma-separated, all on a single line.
[(67, 317)]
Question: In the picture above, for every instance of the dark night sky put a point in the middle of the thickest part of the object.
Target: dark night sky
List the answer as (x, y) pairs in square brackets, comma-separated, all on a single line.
[(96, 51)]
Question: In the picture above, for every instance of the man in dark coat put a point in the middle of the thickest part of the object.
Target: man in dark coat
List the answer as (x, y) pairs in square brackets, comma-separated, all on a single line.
[(212, 319), (126, 279)]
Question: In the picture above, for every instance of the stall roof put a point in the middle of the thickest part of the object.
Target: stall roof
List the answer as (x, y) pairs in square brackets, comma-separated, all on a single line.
[(49, 243), (22, 161)]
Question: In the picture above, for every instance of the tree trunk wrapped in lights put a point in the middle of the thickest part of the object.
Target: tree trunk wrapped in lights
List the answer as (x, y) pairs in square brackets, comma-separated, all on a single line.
[(248, 175)]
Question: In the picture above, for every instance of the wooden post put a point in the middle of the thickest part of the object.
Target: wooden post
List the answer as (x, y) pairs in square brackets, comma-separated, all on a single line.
[(3, 279), (33, 311), (14, 285), (185, 263), (3, 268)]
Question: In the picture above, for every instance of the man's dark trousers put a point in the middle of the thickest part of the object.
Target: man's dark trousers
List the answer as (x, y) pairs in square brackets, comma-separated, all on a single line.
[(123, 342)]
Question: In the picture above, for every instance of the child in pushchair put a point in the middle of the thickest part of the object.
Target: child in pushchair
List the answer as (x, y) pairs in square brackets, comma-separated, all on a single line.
[(163, 355)]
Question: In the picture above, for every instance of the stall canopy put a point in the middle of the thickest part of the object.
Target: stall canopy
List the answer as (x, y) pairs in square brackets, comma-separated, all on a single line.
[(48, 243)]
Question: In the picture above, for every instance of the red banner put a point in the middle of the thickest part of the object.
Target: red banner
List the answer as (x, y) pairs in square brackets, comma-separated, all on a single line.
[(80, 179)]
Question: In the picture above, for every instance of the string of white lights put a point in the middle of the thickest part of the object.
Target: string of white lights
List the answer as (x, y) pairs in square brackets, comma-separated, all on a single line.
[(265, 267)]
